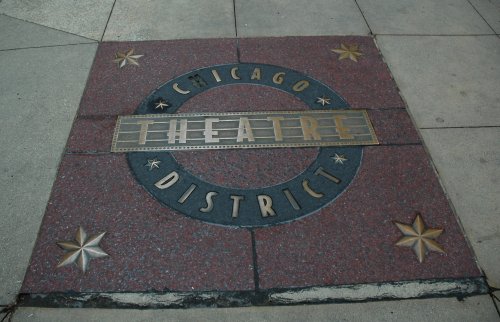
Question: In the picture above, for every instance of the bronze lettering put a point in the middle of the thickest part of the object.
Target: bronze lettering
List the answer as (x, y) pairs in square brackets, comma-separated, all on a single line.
[(186, 194), (234, 73), (210, 203), (144, 130), (321, 172), (312, 193), (256, 74), (291, 199), (209, 132), (278, 78), (178, 90), (266, 206), (245, 130), (278, 135), (167, 181), (309, 128), (173, 133), (300, 86), (216, 76), (340, 128), (236, 205)]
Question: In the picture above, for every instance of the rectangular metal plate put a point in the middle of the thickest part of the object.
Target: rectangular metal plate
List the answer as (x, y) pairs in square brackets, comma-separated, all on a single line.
[(166, 132)]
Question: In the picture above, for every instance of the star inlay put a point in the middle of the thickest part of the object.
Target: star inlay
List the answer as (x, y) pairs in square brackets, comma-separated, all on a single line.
[(123, 58), (153, 164), (351, 52), (161, 104), (339, 158), (82, 249), (323, 100), (419, 238)]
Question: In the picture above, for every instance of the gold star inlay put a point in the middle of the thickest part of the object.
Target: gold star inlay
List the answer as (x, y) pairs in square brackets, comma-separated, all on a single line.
[(153, 164), (339, 158), (323, 100), (419, 238), (82, 249), (161, 104), (351, 52), (127, 58)]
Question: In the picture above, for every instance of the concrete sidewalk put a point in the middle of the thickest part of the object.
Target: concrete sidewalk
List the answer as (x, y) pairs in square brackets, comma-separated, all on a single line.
[(443, 56)]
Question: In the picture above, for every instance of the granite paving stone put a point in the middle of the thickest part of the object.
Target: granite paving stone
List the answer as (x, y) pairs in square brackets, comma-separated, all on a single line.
[(446, 81), (296, 18), (41, 89), (423, 17), (154, 248), (86, 18), (33, 35), (114, 91), (150, 247), (172, 19), (366, 84), (467, 160), (354, 237)]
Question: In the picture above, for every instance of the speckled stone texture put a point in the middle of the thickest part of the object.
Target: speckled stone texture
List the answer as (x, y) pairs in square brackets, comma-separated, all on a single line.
[(153, 248)]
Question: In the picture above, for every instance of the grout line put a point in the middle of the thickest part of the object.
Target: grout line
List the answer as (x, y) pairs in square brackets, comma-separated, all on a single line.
[(37, 24), (495, 299), (481, 16), (235, 22), (107, 22), (438, 35), (363, 15), (255, 264), (461, 127), (238, 55), (49, 46)]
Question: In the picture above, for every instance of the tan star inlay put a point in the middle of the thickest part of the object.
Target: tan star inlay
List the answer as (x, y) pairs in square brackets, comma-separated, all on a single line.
[(351, 52), (161, 104), (419, 238), (82, 249), (153, 164), (127, 58), (323, 100), (339, 158)]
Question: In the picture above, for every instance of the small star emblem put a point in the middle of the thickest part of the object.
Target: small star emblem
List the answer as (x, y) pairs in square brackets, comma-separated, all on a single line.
[(351, 52), (123, 58), (153, 164), (82, 249), (339, 158), (323, 100), (419, 238), (161, 104)]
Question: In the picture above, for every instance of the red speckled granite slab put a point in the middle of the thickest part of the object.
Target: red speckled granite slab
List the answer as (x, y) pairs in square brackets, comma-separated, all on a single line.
[(153, 248)]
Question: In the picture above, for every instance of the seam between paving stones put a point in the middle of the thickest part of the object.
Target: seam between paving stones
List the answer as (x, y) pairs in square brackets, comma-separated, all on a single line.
[(364, 17), (98, 153), (107, 21), (438, 35), (34, 23), (475, 9), (255, 261), (50, 46)]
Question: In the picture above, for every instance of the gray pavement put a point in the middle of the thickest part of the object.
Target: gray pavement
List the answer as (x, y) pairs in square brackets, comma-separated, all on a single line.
[(443, 54)]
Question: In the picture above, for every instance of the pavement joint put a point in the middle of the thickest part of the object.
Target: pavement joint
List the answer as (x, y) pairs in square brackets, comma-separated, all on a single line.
[(37, 24), (49, 46), (107, 21), (479, 13), (364, 17)]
